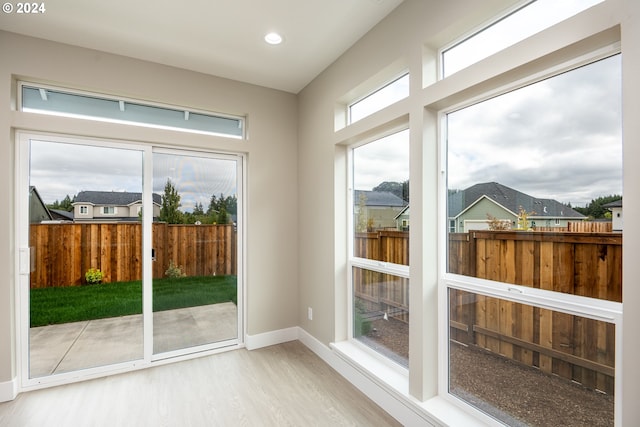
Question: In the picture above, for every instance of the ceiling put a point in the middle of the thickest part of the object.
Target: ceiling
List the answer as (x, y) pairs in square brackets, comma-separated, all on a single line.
[(218, 37)]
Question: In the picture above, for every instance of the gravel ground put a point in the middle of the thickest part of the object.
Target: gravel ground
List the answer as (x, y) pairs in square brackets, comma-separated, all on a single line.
[(518, 395)]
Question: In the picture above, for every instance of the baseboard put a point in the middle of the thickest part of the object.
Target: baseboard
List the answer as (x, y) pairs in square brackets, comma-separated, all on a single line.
[(394, 404), (8, 390), (266, 339)]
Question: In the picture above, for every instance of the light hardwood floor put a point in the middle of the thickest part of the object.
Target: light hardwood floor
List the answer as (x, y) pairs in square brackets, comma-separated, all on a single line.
[(282, 385)]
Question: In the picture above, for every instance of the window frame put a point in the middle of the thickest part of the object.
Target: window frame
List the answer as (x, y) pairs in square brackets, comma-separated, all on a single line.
[(123, 102), (398, 270), (386, 84), (602, 310), (486, 25)]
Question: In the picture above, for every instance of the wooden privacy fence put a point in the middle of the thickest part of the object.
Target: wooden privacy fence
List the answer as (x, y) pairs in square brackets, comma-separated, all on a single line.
[(570, 346), (62, 253), (582, 227), (387, 246), (380, 293)]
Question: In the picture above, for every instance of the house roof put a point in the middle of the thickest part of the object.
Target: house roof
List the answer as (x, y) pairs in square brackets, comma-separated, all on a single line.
[(614, 204), (510, 199), (404, 211), (61, 214), (114, 198), (379, 198)]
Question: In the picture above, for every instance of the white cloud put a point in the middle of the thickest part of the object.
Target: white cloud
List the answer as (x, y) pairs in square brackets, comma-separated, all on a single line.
[(386, 159), (560, 138), (59, 169)]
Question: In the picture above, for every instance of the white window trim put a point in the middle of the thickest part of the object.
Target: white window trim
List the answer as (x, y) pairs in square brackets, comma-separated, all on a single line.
[(84, 210), (367, 264), (602, 310)]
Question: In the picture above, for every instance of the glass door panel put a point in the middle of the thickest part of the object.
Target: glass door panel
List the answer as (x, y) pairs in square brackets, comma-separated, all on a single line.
[(85, 244), (195, 207)]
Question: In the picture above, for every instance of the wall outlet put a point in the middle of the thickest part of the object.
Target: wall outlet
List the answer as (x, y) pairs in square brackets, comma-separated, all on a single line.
[(310, 313)]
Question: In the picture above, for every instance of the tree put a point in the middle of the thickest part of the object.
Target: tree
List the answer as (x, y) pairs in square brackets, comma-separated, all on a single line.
[(595, 209), (223, 216), (213, 206), (361, 220), (496, 224), (221, 207), (198, 209), (523, 218), (169, 209), (65, 205)]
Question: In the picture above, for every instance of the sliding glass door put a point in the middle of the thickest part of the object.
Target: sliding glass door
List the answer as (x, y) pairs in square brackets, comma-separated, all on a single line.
[(85, 244), (126, 254), (195, 250)]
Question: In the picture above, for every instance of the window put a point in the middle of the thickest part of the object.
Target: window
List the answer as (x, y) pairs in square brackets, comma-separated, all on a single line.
[(109, 210), (381, 98), (544, 304), (84, 210), (380, 246), (64, 102), (534, 17)]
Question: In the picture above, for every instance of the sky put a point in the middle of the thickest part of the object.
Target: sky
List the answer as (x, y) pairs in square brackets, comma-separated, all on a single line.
[(61, 169), (386, 159), (559, 138)]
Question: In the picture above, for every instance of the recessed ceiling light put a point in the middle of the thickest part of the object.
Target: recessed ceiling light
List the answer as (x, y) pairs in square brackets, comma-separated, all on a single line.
[(273, 38)]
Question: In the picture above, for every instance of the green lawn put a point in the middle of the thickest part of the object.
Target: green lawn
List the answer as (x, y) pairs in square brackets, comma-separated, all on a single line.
[(76, 303)]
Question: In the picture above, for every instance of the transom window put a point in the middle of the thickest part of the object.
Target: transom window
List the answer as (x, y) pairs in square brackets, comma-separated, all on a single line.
[(383, 97), (65, 102), (526, 21)]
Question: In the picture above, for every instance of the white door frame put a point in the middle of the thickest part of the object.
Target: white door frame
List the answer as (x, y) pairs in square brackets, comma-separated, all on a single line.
[(23, 263)]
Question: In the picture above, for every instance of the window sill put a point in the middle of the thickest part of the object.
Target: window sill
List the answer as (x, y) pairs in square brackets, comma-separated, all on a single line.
[(395, 384)]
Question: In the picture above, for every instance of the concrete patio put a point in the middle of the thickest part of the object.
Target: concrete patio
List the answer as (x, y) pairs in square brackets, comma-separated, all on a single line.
[(79, 345)]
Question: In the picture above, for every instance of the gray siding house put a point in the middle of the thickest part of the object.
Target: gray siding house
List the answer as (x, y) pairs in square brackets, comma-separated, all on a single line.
[(38, 211), (378, 209), (111, 206), (468, 209)]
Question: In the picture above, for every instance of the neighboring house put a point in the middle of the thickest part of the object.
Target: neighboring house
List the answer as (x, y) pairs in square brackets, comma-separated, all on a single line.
[(111, 206), (616, 214), (61, 215), (38, 211), (381, 208), (402, 219), (468, 209)]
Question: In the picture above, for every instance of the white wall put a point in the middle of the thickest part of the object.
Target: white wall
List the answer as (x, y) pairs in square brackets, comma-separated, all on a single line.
[(272, 256)]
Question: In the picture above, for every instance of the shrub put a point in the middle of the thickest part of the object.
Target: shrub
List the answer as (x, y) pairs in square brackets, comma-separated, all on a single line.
[(93, 276), (174, 271)]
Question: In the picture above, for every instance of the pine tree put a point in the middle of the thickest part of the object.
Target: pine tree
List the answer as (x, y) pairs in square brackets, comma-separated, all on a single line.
[(169, 210)]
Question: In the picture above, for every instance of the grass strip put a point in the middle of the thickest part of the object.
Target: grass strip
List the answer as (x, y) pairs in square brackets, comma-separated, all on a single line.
[(52, 306)]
